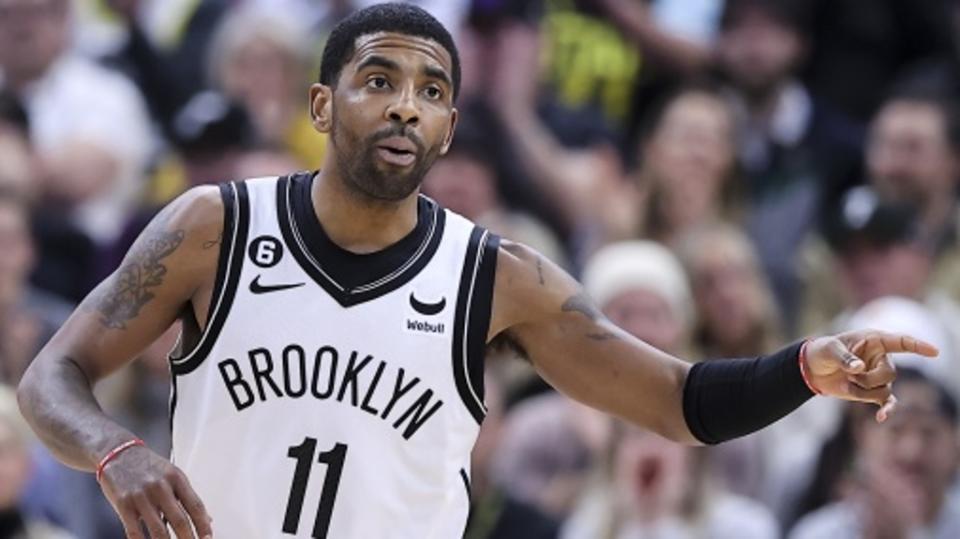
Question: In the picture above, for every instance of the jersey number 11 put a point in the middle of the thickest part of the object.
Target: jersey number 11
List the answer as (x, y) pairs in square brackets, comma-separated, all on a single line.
[(303, 454)]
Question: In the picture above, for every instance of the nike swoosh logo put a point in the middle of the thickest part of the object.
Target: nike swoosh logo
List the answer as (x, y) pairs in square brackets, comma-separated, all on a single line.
[(427, 308), (258, 288)]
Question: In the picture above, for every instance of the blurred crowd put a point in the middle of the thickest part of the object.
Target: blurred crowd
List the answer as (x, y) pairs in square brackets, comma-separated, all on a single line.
[(722, 175)]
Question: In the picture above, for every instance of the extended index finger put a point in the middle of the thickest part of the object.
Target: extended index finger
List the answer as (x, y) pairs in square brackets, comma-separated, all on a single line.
[(194, 507), (895, 343)]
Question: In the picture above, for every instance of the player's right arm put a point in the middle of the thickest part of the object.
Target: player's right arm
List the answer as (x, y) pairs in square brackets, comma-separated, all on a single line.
[(170, 267)]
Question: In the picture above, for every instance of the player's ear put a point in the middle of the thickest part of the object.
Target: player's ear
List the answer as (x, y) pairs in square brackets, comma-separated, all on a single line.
[(321, 111), (448, 136)]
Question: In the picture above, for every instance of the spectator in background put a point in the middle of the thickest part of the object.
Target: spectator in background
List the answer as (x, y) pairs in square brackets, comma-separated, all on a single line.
[(15, 470), (576, 35), (562, 151), (941, 71), (856, 53), (831, 472), (902, 472), (210, 133), (810, 483), (215, 142), (937, 327), (675, 40), (913, 157), (466, 180), (17, 172), (13, 117), (737, 316), (322, 16), (28, 317), (877, 249), (874, 251), (139, 397), (164, 49), (64, 256), (495, 514), (642, 288), (89, 125), (686, 177), (551, 443), (649, 487), (913, 160), (790, 148), (263, 60)]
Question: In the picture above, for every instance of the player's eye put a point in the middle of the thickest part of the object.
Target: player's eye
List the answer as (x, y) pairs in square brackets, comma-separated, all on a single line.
[(433, 93), (378, 83)]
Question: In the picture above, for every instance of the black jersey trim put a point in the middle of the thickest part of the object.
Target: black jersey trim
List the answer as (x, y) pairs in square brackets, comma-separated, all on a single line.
[(295, 239), (472, 319), (173, 407), (236, 227), (466, 483)]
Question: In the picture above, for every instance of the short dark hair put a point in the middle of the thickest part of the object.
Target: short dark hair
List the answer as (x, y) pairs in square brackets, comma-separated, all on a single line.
[(651, 119), (12, 112), (393, 17), (793, 14), (946, 402), (862, 215), (926, 92)]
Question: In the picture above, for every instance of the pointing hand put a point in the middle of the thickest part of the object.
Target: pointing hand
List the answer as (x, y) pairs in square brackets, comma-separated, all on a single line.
[(856, 366)]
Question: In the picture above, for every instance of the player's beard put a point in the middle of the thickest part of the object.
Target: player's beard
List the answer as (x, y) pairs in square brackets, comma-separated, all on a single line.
[(357, 160)]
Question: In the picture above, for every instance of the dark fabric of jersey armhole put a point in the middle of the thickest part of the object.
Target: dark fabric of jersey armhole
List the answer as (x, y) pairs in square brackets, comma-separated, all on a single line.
[(466, 485), (472, 319), (172, 406), (480, 312), (231, 255), (226, 195), (466, 482)]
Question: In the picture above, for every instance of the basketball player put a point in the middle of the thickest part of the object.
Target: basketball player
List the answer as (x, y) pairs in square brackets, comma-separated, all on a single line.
[(329, 378)]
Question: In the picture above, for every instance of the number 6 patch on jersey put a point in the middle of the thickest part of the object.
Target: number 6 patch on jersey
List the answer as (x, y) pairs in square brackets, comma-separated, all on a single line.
[(265, 251)]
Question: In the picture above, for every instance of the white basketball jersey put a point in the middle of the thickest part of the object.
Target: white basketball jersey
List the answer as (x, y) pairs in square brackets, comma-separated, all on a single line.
[(333, 394)]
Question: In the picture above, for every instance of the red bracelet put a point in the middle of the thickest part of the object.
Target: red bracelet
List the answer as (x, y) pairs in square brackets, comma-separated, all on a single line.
[(113, 454), (802, 358)]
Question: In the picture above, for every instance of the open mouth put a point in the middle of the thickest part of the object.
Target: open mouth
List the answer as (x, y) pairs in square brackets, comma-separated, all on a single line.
[(648, 474), (396, 157), (398, 151)]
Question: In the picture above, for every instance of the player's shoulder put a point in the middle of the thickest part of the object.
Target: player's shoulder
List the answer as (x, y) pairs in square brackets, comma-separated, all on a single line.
[(528, 285), (194, 222), (197, 209)]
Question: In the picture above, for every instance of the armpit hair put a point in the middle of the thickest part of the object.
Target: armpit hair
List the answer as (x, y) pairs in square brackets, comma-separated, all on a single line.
[(504, 344)]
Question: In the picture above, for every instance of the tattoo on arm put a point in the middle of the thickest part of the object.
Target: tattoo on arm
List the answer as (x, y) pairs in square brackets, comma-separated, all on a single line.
[(213, 243), (540, 271), (130, 288), (603, 336), (580, 303)]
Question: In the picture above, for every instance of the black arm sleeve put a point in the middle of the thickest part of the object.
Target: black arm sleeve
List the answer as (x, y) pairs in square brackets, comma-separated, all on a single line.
[(724, 399)]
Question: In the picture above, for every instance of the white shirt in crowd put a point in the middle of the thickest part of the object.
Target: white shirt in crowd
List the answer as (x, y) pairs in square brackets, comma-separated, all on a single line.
[(77, 99)]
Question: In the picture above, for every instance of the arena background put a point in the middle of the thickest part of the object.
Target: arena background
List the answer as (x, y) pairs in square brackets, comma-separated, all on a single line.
[(724, 176)]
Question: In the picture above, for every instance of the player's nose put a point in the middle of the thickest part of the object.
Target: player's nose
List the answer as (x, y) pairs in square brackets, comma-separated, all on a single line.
[(403, 109)]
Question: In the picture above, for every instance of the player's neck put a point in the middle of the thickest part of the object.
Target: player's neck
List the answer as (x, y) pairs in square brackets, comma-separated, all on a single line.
[(356, 223)]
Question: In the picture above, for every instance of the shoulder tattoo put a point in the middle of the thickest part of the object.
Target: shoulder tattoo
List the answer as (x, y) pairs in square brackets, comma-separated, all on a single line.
[(130, 288)]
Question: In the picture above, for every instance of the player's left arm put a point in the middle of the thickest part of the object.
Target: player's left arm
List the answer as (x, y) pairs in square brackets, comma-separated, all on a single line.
[(546, 315)]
